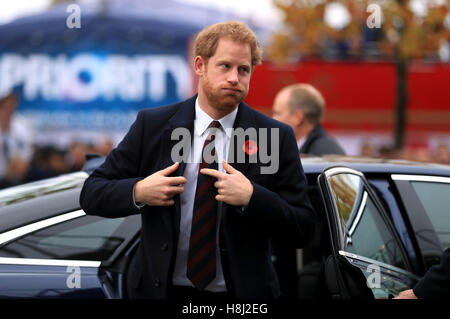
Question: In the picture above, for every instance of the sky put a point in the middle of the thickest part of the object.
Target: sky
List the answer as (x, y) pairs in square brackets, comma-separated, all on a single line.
[(262, 12), (266, 12)]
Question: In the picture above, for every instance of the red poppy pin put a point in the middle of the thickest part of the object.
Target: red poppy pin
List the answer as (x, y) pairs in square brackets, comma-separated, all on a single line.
[(250, 147)]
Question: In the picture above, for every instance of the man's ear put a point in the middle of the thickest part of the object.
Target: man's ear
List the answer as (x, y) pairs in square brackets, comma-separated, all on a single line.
[(299, 117), (199, 65)]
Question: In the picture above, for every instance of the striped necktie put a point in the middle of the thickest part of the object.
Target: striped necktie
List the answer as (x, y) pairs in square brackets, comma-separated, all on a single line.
[(201, 265)]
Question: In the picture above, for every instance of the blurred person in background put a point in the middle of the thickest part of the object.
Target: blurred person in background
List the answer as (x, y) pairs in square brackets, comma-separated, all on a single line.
[(47, 161), (76, 156), (56, 163), (104, 146), (442, 154), (419, 153), (15, 173), (416, 153), (367, 150), (388, 152), (16, 135), (422, 154), (302, 106)]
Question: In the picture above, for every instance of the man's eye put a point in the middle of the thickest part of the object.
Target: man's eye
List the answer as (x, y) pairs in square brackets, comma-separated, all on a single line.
[(244, 69)]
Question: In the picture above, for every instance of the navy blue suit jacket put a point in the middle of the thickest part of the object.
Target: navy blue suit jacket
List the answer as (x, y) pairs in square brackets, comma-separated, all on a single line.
[(319, 142), (279, 207), (436, 282)]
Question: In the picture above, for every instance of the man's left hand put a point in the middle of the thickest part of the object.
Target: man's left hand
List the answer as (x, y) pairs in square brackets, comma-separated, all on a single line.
[(233, 187)]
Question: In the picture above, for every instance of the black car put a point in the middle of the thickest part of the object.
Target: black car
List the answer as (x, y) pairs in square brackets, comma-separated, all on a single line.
[(380, 226)]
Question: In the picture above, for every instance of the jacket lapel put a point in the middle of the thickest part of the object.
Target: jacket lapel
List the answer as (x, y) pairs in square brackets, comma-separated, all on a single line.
[(238, 158), (239, 154), (183, 120)]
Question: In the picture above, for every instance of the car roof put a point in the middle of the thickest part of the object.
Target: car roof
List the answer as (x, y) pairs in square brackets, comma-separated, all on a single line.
[(42, 187), (20, 205), (315, 165)]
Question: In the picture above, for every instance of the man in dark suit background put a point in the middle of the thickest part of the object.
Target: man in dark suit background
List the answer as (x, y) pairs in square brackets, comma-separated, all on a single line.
[(302, 106), (435, 284), (206, 229)]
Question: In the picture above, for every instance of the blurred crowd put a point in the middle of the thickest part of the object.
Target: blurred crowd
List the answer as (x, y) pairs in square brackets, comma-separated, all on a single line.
[(440, 154), (49, 161), (21, 160)]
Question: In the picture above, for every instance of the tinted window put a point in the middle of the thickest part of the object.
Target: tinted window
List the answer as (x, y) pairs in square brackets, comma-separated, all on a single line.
[(84, 238), (371, 238), (435, 198), (366, 232)]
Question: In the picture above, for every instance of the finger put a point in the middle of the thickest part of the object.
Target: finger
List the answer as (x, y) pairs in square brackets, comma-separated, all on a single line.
[(169, 170), (173, 190), (177, 180), (228, 168), (220, 198), (212, 172), (218, 184)]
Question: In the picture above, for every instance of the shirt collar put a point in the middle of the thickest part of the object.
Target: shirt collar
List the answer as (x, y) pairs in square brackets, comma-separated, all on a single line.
[(300, 142), (202, 120)]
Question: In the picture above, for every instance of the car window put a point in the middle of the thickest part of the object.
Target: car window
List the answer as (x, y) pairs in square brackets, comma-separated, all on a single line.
[(366, 232), (435, 198), (83, 238)]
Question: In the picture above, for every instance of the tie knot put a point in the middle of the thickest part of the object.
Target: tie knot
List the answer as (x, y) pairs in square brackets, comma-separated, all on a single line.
[(215, 124)]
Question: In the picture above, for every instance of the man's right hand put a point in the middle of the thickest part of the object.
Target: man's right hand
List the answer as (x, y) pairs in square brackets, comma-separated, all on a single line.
[(159, 189), (406, 294)]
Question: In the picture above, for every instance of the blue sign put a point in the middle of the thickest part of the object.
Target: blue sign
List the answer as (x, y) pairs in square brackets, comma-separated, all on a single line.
[(95, 77), (93, 90)]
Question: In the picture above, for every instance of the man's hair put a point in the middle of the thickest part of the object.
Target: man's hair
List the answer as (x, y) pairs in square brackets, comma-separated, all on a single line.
[(206, 42), (308, 99)]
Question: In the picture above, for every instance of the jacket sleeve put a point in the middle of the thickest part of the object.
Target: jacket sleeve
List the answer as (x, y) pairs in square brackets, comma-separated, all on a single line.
[(108, 191), (436, 282), (284, 211)]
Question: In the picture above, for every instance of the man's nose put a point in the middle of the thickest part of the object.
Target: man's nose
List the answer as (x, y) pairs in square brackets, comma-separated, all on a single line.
[(233, 76)]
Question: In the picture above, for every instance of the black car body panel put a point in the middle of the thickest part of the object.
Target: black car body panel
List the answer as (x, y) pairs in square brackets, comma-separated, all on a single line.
[(50, 249)]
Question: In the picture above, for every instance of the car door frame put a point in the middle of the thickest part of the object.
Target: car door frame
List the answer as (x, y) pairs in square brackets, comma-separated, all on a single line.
[(337, 238), (60, 272), (93, 274), (428, 242)]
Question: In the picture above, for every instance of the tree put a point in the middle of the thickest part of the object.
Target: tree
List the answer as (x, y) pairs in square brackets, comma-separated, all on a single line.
[(400, 35)]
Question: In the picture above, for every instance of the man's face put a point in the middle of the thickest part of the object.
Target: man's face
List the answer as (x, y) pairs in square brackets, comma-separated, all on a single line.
[(225, 77), (281, 110)]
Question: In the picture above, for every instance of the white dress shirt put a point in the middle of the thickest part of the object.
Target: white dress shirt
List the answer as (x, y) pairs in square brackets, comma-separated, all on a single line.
[(222, 143), (300, 142)]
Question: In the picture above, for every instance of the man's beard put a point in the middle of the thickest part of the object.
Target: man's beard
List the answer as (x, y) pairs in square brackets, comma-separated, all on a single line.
[(221, 100)]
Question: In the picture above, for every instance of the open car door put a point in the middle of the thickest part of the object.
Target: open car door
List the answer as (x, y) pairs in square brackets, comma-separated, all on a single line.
[(368, 259)]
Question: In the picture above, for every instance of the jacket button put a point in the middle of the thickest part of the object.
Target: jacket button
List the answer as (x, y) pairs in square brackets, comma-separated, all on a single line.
[(164, 247), (156, 283)]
